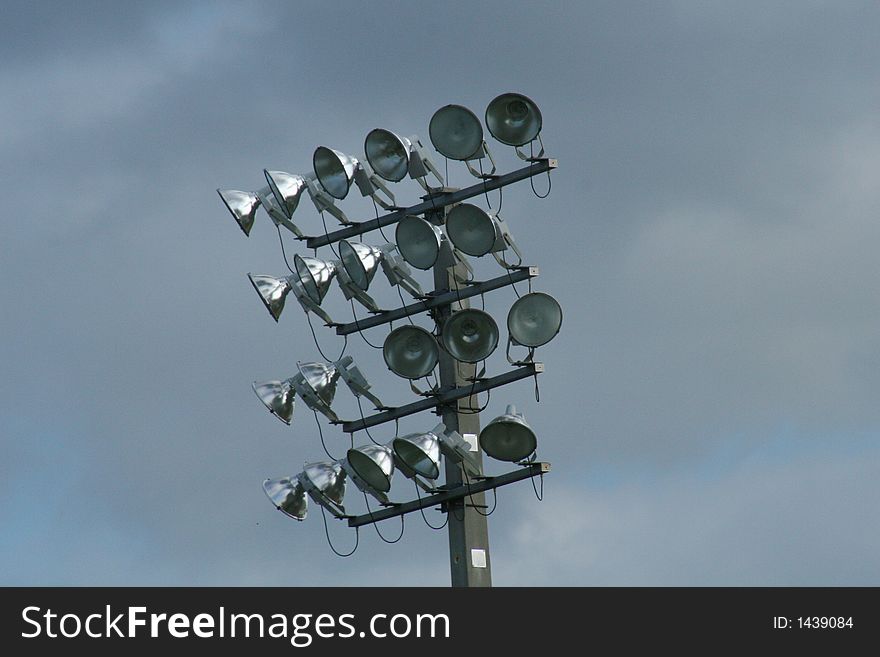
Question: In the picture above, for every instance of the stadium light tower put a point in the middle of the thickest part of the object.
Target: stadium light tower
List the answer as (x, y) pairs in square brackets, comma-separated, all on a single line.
[(435, 235)]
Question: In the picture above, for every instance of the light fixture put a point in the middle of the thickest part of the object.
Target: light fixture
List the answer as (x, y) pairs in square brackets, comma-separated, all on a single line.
[(360, 262), (515, 120), (393, 157), (457, 134), (470, 335), (288, 497), (315, 275), (410, 351), (419, 453), (287, 189), (317, 387), (278, 397), (324, 481), (508, 437), (476, 233), (273, 291), (370, 467), (534, 319), (315, 383), (243, 207), (419, 241), (336, 171)]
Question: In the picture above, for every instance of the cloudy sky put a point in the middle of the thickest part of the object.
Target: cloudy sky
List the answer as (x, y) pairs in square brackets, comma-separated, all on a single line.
[(710, 406)]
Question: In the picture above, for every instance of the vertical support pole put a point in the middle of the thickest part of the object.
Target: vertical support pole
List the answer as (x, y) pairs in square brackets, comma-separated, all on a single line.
[(468, 527)]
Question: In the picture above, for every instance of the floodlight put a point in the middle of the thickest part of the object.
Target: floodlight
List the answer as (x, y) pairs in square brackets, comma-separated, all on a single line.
[(371, 467), (360, 262), (315, 275), (316, 386), (336, 171), (418, 454), (243, 207), (515, 120), (325, 483), (476, 233), (273, 291), (287, 188), (457, 134), (393, 157), (410, 351), (534, 319), (419, 241), (309, 283), (470, 335), (508, 437), (278, 397), (288, 496)]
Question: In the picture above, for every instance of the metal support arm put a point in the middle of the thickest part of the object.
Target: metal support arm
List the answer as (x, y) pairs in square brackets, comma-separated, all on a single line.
[(445, 496)]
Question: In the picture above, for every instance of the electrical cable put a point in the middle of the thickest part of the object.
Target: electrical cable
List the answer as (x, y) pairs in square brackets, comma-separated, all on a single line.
[(327, 235), (283, 252), (531, 178), (376, 526), (422, 511), (321, 434), (359, 329), (474, 504), (357, 537), (321, 351), (361, 409)]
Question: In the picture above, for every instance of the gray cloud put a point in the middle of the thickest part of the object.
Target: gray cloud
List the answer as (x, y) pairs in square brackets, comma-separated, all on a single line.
[(709, 235)]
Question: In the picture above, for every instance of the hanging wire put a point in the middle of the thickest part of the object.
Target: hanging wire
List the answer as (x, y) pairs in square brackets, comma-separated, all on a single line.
[(510, 276), (327, 235), (357, 537), (321, 351), (376, 209), (357, 326), (361, 409), (403, 301), (537, 389), (321, 434), (376, 525), (540, 495), (422, 511), (486, 191), (479, 409), (531, 178), (283, 252), (476, 507)]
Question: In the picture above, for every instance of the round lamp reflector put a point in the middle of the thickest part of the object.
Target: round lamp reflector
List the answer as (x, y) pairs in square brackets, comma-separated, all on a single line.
[(374, 464), (508, 437), (410, 352), (470, 335), (388, 154), (334, 170), (418, 241), (513, 119), (420, 452), (471, 230), (456, 132), (534, 319), (360, 262)]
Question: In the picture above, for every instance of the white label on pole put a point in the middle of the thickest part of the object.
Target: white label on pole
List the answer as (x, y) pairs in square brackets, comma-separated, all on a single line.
[(471, 439), (478, 558)]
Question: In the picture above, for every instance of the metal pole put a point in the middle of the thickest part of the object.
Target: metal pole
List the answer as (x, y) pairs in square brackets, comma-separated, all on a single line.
[(468, 528)]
